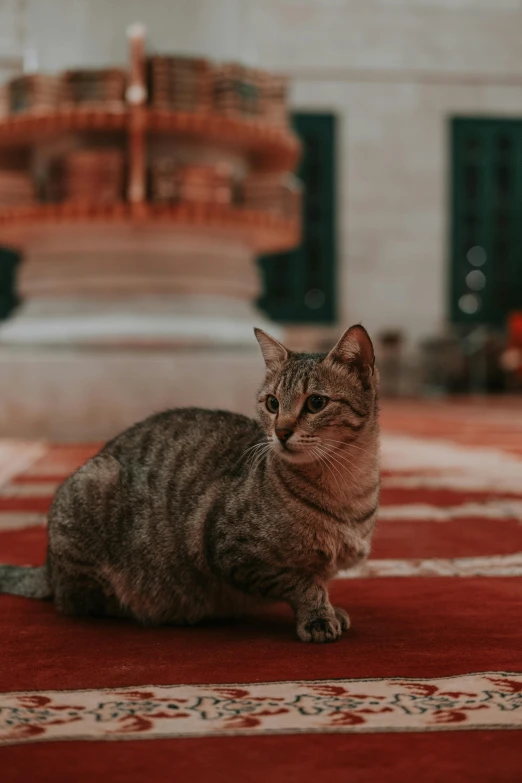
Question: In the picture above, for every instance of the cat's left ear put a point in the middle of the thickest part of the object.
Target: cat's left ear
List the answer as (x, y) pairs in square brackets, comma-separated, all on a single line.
[(354, 349), (273, 352)]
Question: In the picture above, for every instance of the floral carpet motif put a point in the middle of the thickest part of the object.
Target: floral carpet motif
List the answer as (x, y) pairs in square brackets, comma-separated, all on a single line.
[(491, 700)]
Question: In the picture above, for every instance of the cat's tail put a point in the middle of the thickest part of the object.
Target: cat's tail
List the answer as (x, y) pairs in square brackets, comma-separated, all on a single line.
[(27, 581)]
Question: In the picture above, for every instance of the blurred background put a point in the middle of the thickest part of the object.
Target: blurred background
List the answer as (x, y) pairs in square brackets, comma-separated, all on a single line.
[(174, 172)]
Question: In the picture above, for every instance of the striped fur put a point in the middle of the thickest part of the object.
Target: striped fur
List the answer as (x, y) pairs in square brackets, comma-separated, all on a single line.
[(193, 513)]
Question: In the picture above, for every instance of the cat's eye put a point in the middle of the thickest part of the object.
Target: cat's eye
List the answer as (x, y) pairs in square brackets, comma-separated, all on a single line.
[(316, 403), (272, 404)]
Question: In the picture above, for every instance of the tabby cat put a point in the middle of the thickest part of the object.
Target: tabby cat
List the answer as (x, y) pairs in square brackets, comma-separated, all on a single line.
[(193, 514)]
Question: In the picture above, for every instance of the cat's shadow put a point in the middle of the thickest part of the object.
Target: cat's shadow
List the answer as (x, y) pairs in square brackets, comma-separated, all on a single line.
[(275, 624)]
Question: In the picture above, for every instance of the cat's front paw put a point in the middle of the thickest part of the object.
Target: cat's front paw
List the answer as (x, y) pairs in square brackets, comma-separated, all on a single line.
[(320, 630), (343, 618)]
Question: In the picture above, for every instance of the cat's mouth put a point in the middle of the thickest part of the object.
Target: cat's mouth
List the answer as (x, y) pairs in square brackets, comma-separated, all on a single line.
[(293, 452)]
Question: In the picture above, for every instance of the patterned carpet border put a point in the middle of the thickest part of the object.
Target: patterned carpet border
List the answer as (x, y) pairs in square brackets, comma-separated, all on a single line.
[(485, 700)]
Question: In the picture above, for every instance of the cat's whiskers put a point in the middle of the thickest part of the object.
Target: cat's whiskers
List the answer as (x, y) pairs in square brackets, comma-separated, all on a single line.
[(339, 452), (343, 458), (262, 453), (342, 466), (323, 461), (253, 450), (259, 457), (348, 444), (253, 460), (250, 454), (338, 456), (333, 466), (357, 471), (255, 446)]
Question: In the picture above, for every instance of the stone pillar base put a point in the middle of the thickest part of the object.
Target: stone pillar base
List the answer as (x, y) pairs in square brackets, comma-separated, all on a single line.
[(190, 320), (92, 393)]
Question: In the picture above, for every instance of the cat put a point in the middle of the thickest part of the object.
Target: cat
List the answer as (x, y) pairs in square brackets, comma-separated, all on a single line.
[(195, 514)]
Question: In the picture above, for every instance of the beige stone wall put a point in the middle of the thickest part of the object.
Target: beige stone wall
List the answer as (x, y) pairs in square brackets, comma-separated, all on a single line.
[(394, 71), (442, 36), (11, 36), (394, 180)]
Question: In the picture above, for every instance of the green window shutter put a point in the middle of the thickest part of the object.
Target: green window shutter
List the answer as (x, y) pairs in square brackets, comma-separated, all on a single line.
[(9, 260), (486, 242), (299, 287)]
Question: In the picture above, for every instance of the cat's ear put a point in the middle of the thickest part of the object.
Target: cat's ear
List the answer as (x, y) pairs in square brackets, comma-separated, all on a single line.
[(354, 349), (273, 352)]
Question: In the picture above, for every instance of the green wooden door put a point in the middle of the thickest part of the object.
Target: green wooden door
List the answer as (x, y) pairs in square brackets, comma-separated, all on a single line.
[(486, 246), (299, 287), (9, 260)]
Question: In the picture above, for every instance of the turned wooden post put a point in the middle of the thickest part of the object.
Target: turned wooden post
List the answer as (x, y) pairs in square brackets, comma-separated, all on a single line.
[(136, 98)]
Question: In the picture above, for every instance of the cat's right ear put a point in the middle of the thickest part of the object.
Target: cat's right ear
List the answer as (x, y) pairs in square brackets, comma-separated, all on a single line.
[(354, 349), (273, 352)]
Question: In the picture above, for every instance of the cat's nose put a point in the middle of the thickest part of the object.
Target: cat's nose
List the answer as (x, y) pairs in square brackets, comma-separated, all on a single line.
[(283, 434)]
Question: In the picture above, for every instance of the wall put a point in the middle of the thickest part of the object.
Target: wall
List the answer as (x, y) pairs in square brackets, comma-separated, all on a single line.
[(394, 71), (11, 37)]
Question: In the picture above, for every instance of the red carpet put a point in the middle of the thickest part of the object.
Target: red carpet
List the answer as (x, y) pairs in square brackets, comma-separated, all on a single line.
[(427, 684)]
